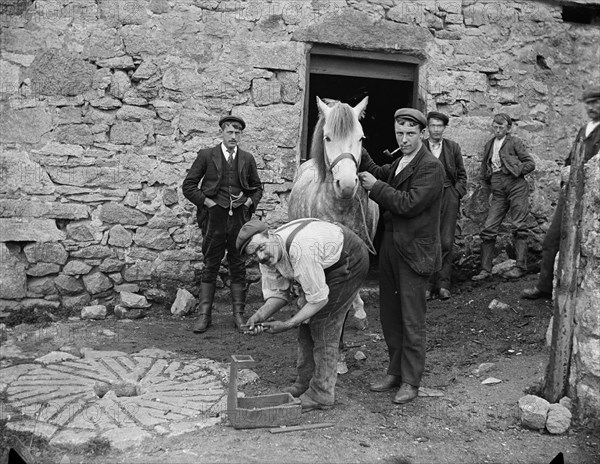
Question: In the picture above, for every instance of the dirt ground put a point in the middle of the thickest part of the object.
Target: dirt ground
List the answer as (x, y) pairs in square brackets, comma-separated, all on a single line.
[(471, 423)]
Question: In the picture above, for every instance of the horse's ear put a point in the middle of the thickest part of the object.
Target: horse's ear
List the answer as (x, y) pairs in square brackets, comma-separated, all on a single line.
[(359, 110), (323, 108)]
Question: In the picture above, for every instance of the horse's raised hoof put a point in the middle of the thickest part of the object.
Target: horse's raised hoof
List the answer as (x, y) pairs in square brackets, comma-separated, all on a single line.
[(360, 324)]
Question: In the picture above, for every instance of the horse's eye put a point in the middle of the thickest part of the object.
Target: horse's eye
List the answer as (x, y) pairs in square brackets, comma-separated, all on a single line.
[(327, 138)]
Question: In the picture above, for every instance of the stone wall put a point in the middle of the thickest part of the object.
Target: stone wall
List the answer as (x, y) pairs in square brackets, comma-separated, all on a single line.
[(585, 363), (105, 103)]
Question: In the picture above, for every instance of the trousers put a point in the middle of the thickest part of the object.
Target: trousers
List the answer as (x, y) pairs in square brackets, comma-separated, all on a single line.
[(219, 233), (448, 220), (550, 247), (318, 341), (402, 307), (510, 194)]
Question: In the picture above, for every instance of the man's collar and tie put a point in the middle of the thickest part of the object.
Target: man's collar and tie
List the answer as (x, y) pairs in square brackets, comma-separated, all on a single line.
[(229, 155)]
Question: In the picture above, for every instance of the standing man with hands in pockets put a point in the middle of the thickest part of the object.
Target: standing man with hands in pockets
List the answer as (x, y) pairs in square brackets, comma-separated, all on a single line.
[(455, 187), (409, 192), (226, 199)]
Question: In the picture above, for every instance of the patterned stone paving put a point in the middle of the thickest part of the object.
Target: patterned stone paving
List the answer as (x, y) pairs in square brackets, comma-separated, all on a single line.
[(123, 398)]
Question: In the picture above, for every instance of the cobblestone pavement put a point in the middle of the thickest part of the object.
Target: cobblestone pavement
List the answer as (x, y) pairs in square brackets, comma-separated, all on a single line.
[(124, 398)]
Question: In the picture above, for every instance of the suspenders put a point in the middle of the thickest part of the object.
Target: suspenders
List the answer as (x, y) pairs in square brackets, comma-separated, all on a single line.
[(300, 225)]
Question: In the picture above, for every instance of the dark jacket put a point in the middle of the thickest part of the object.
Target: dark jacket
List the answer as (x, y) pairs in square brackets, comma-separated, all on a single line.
[(411, 202), (513, 153), (591, 144), (452, 160), (208, 168)]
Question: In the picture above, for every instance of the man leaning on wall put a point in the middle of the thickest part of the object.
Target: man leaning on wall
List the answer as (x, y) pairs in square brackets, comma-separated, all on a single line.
[(226, 199), (504, 165), (589, 135)]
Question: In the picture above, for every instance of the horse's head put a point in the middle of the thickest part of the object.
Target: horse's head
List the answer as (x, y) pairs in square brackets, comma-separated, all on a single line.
[(342, 137)]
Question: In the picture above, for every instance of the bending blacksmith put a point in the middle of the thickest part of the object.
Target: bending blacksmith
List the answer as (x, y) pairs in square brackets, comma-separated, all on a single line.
[(327, 263)]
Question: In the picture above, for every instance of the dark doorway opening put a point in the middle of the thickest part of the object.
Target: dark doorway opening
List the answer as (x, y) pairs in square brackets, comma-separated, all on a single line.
[(385, 97), (581, 14)]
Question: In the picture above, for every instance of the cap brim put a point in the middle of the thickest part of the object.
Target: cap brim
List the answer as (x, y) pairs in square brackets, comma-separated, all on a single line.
[(244, 245), (232, 119)]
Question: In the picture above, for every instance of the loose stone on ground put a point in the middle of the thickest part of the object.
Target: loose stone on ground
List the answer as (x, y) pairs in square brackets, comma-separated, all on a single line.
[(533, 411)]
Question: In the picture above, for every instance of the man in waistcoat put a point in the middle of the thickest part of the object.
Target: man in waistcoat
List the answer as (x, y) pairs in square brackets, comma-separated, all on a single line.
[(224, 185)]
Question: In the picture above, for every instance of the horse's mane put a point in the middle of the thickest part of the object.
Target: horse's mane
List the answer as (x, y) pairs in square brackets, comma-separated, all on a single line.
[(342, 122)]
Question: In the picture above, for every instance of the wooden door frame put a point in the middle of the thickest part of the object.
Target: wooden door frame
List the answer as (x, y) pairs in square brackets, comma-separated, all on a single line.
[(411, 74)]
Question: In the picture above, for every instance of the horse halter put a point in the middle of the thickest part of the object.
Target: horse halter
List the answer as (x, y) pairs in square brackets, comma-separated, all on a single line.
[(341, 157)]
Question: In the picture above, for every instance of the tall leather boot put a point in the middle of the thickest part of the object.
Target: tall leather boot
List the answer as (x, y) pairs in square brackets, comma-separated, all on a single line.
[(487, 255), (521, 268), (238, 301), (207, 295)]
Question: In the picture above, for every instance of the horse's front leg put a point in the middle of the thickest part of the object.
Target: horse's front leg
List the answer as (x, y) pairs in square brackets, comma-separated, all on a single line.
[(359, 316), (360, 322)]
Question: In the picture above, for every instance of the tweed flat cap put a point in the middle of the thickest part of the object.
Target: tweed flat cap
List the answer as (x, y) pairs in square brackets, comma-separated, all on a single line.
[(593, 93), (437, 115), (412, 115), (248, 230), (503, 116), (232, 118)]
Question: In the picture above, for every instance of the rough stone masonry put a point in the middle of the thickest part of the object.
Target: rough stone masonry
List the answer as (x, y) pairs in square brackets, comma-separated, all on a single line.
[(104, 104)]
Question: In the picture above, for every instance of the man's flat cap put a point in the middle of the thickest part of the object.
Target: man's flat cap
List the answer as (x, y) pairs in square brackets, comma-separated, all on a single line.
[(500, 117), (248, 230), (593, 93), (232, 118), (412, 115), (437, 115)]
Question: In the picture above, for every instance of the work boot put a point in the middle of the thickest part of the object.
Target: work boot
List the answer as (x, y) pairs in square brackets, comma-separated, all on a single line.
[(295, 390), (238, 300), (406, 393), (521, 268), (535, 293), (487, 255), (387, 383), (445, 294), (207, 295)]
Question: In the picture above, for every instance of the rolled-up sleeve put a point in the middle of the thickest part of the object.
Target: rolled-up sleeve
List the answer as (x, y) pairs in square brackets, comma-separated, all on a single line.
[(311, 276), (274, 285)]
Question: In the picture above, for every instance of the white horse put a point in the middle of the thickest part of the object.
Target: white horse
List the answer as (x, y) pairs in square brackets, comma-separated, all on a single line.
[(327, 187)]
